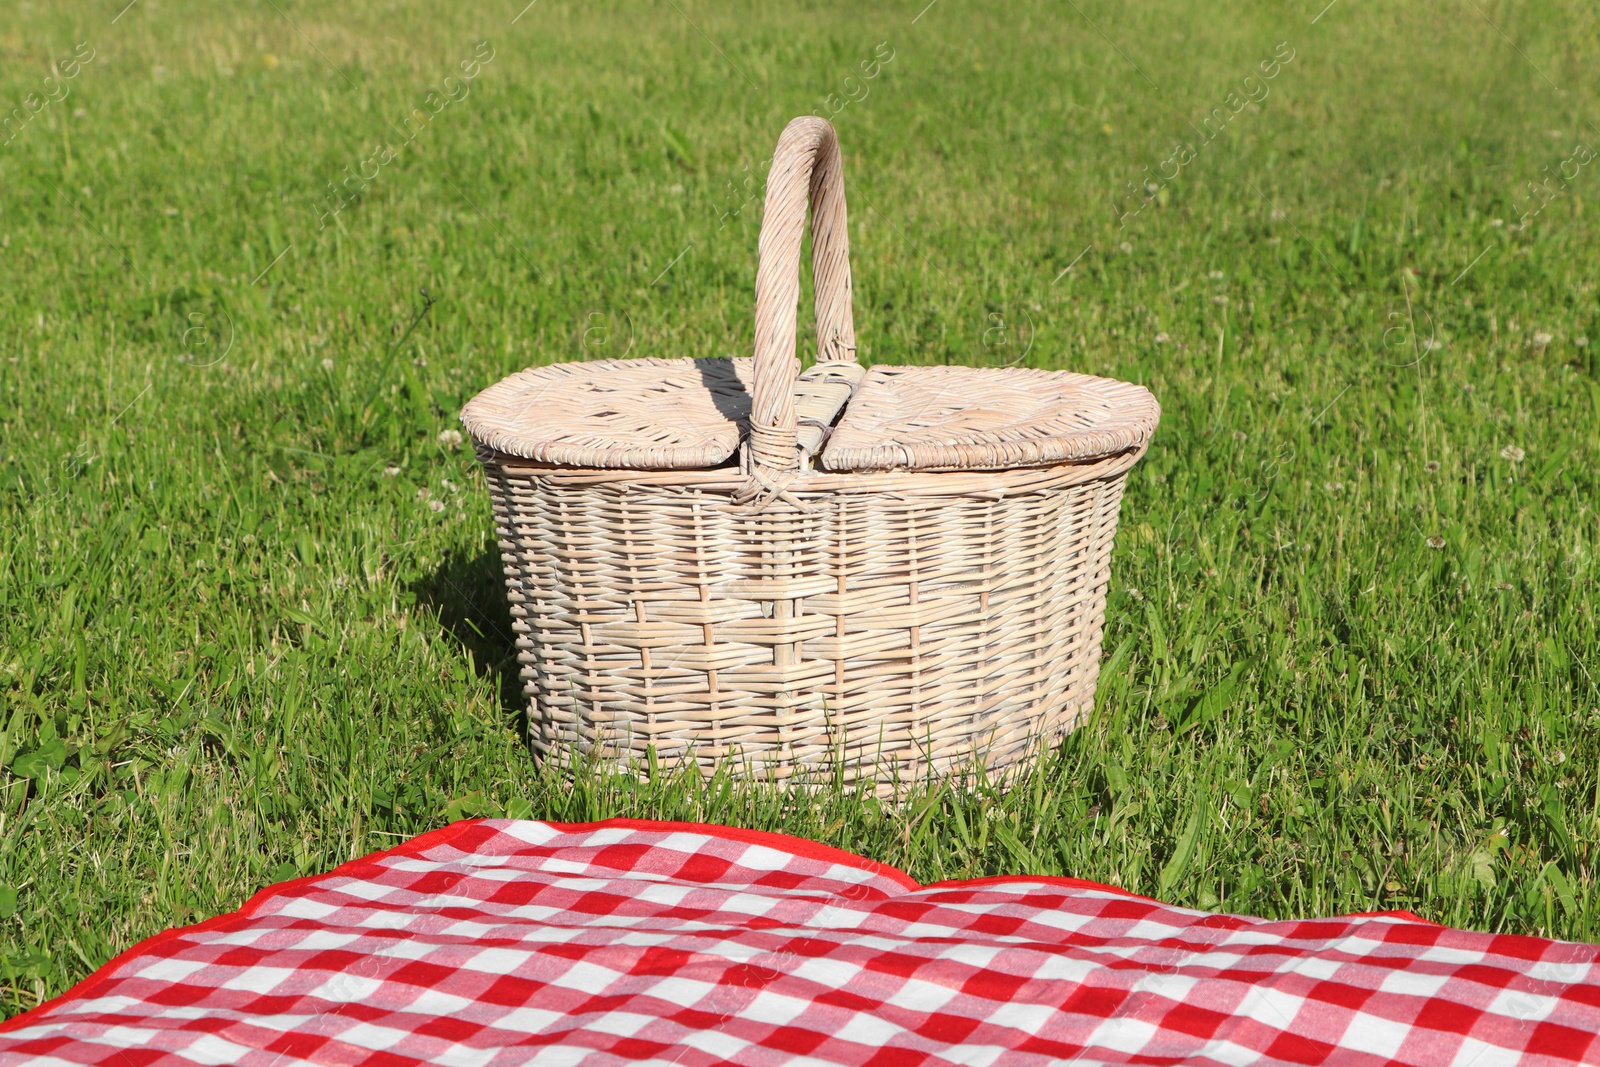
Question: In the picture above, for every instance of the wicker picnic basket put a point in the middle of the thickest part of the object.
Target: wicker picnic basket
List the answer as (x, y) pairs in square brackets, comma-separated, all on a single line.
[(890, 572)]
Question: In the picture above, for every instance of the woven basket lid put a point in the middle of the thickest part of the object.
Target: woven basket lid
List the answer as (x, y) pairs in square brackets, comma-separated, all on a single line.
[(641, 414), (980, 418), (692, 414)]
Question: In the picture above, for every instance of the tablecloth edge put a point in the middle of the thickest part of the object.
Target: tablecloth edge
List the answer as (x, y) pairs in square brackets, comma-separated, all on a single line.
[(797, 846), (84, 989)]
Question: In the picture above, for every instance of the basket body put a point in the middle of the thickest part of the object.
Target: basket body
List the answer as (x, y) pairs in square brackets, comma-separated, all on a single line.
[(881, 574), (886, 626)]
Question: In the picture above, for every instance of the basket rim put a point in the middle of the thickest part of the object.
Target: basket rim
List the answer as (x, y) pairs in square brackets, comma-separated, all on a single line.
[(820, 483)]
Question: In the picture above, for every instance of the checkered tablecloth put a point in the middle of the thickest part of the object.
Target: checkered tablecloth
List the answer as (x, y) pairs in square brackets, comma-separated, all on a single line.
[(500, 942)]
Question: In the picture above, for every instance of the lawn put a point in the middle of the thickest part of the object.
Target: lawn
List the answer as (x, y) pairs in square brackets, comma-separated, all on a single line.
[(251, 621)]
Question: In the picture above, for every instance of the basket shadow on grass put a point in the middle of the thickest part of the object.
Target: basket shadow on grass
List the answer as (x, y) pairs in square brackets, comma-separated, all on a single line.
[(467, 592)]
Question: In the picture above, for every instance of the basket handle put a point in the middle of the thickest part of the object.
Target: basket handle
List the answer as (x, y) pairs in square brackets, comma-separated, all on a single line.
[(805, 166)]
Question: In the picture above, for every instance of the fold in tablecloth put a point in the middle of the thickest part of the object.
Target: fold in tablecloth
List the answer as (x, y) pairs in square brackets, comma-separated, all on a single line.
[(497, 942)]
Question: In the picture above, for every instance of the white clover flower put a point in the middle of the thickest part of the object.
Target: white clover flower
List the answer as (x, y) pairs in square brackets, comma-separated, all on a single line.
[(450, 438), (1513, 453)]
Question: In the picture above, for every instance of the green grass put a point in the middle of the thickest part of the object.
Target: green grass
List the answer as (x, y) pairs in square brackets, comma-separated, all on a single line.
[(238, 644)]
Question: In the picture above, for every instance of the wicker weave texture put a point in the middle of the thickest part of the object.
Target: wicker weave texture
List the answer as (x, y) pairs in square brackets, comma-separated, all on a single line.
[(982, 418), (900, 624), (651, 414), (933, 599)]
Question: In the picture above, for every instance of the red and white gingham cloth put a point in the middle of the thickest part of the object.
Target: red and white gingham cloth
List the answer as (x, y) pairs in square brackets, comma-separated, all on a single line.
[(498, 942)]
